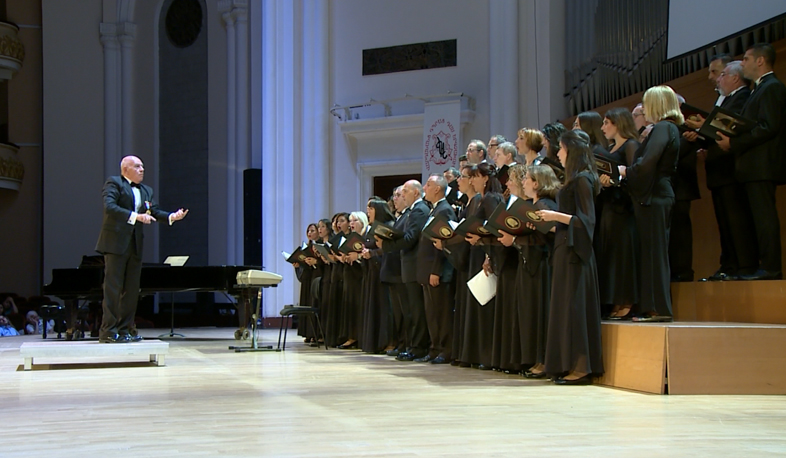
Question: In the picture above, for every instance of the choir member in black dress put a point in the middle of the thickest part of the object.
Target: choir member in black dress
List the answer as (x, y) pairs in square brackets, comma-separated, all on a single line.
[(351, 305), (573, 347), (533, 277), (333, 314), (503, 262), (551, 134), (529, 143), (325, 231), (649, 182), (375, 302), (591, 122), (617, 247), (310, 270), (479, 320), (457, 253)]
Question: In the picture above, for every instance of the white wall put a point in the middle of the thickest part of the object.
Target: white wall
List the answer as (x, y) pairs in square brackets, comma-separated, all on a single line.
[(363, 24)]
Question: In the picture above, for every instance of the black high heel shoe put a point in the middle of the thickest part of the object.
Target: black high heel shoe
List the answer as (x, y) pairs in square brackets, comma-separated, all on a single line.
[(586, 380), (346, 346)]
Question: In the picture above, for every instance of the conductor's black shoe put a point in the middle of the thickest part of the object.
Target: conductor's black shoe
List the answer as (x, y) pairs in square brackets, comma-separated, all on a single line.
[(113, 338), (762, 274)]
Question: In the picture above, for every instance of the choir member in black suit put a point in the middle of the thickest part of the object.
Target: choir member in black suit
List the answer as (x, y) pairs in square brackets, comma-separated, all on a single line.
[(333, 313), (479, 320), (476, 152), (504, 158), (435, 274), (494, 142), (391, 273), (457, 253), (759, 157), (649, 182), (306, 273), (351, 305), (617, 247), (533, 277), (573, 347), (551, 134), (529, 143), (640, 121), (377, 314), (739, 255), (128, 206), (417, 214)]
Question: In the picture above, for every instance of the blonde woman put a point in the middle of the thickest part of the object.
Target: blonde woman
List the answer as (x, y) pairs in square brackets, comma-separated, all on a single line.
[(649, 182)]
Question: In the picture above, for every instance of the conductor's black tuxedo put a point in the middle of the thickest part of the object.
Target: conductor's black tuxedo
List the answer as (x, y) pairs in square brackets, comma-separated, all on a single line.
[(121, 244), (438, 299), (760, 163)]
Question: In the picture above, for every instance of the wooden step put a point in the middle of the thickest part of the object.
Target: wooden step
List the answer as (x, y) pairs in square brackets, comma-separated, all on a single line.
[(82, 351)]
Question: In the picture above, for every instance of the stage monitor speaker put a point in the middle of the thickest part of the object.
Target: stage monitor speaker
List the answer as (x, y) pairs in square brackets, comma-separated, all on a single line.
[(252, 217)]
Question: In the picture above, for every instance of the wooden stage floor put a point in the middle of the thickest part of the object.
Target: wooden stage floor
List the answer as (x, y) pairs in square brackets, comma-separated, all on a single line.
[(211, 402)]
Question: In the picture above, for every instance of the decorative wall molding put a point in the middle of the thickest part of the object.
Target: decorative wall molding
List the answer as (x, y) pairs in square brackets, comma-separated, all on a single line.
[(12, 171), (12, 51)]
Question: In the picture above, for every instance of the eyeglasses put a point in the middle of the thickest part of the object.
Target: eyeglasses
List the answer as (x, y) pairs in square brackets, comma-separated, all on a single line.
[(471, 150), (493, 145)]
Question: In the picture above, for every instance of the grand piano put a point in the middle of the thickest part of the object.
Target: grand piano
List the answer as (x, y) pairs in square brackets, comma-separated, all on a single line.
[(86, 283)]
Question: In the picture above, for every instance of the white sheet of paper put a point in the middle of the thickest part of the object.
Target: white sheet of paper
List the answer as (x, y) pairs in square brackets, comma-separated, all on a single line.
[(482, 287), (176, 261), (510, 202), (286, 255)]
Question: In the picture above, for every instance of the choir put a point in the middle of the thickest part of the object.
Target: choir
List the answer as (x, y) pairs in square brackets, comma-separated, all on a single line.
[(399, 287)]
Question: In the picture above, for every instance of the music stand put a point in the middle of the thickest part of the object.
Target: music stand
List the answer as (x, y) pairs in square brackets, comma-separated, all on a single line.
[(174, 261), (247, 289)]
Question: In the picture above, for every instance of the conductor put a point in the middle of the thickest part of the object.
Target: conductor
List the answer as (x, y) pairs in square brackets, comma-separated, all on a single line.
[(128, 205)]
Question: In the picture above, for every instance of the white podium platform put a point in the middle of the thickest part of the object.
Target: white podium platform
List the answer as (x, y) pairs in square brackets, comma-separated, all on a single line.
[(155, 349)]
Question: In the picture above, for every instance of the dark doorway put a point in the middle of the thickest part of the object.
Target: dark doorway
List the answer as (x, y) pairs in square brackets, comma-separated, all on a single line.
[(384, 186)]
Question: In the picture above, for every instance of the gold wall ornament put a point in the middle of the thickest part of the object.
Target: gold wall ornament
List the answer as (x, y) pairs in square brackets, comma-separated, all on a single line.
[(12, 171), (12, 51)]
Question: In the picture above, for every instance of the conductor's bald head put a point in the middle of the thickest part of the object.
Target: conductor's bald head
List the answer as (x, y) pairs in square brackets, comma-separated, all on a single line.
[(132, 168)]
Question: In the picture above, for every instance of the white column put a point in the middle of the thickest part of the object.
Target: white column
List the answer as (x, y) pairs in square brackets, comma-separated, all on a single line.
[(229, 19), (127, 34), (112, 132), (242, 118), (504, 68)]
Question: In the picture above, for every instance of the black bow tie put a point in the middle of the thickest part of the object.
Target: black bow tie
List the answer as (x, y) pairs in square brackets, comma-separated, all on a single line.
[(135, 185)]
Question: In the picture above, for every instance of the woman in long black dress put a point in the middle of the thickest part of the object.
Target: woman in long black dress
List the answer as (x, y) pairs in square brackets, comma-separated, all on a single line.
[(351, 306), (649, 181), (479, 320), (376, 295), (617, 247), (306, 272), (533, 278), (325, 232), (333, 313), (573, 347)]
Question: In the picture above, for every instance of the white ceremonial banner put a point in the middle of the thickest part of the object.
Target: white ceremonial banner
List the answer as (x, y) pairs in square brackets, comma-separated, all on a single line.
[(441, 124)]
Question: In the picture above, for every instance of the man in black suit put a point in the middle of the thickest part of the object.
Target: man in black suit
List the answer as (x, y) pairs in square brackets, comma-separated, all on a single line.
[(391, 270), (128, 205), (732, 212), (416, 214), (759, 156), (476, 152), (435, 274)]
